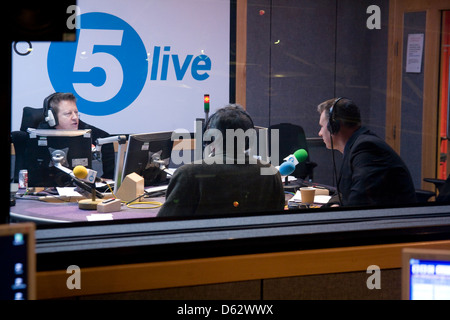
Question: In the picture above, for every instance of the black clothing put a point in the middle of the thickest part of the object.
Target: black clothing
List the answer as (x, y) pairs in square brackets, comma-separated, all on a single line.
[(372, 173), (205, 189)]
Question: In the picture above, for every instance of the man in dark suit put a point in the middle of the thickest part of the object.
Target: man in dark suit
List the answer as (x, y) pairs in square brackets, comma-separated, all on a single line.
[(372, 173), (227, 181)]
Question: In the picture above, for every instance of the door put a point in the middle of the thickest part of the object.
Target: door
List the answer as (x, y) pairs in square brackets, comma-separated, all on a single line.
[(444, 96), (428, 136)]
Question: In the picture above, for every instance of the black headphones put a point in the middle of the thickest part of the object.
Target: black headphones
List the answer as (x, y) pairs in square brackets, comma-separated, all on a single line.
[(49, 115), (215, 115), (333, 123)]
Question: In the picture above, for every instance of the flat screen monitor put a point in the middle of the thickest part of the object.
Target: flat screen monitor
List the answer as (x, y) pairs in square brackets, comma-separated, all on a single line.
[(148, 154), (425, 274), (17, 262), (76, 146)]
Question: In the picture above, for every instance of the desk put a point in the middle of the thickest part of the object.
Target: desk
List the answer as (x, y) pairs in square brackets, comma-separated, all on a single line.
[(59, 211), (53, 212), (63, 211)]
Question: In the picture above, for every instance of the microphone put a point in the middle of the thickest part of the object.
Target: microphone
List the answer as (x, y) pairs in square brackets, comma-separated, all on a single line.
[(288, 166), (299, 156), (85, 174), (58, 157)]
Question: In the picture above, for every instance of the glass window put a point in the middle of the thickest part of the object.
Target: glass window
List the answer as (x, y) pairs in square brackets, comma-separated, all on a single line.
[(350, 100)]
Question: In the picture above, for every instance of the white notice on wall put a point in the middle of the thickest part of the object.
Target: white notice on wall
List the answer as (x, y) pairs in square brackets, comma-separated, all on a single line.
[(414, 53)]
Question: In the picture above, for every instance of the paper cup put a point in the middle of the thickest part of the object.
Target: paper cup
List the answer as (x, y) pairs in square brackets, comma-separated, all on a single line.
[(308, 194)]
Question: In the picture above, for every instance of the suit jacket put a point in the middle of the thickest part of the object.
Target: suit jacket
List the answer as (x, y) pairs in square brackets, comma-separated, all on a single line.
[(372, 173), (205, 189)]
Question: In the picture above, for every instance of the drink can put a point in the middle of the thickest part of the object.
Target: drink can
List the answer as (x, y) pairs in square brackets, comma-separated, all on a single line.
[(23, 179)]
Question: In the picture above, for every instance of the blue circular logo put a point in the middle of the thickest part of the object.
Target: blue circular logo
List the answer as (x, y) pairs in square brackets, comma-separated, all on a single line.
[(106, 68)]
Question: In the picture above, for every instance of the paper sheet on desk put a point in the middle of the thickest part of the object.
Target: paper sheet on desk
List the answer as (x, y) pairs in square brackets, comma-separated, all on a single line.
[(68, 192), (317, 199), (100, 217), (156, 189)]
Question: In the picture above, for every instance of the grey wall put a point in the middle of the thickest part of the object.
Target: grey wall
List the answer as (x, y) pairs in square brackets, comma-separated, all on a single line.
[(300, 53), (412, 102)]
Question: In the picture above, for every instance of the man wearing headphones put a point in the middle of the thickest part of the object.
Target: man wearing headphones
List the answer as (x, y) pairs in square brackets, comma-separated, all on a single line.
[(372, 173), (61, 112), (226, 182)]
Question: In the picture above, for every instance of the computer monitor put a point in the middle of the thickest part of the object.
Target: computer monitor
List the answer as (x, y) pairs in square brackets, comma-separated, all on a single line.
[(18, 262), (148, 154), (425, 274), (76, 146)]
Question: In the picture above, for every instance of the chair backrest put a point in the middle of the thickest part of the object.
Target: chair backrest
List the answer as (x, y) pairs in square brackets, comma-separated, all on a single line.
[(31, 118), (292, 137), (19, 140)]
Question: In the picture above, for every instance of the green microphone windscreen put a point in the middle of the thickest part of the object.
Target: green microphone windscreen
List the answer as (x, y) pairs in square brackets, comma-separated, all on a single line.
[(301, 155)]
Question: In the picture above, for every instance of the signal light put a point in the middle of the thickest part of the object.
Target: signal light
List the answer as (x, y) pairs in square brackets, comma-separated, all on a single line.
[(206, 102)]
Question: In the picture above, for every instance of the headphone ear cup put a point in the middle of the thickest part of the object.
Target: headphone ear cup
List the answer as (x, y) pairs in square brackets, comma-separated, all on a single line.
[(329, 127), (333, 124), (50, 118), (49, 115), (336, 126)]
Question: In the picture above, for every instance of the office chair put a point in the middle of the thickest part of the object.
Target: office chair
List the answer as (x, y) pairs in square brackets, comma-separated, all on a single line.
[(291, 138), (442, 187), (31, 118), (442, 193)]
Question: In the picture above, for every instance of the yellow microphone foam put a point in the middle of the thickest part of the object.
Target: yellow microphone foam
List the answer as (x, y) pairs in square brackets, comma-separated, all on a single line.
[(80, 172)]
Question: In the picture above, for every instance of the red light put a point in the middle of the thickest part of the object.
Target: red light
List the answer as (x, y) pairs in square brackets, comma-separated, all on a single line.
[(206, 102)]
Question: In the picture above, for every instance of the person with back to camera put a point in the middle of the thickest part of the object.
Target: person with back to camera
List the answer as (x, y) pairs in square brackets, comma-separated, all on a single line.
[(61, 112), (227, 181), (372, 173)]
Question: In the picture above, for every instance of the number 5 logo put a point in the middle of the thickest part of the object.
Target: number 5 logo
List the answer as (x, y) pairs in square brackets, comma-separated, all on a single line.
[(105, 68), (88, 60)]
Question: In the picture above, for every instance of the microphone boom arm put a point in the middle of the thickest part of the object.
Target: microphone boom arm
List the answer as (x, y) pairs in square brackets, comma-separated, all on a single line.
[(58, 156), (121, 139)]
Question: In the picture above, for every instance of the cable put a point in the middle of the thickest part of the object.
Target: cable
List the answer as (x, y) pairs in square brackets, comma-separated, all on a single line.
[(155, 204), (130, 204), (110, 189)]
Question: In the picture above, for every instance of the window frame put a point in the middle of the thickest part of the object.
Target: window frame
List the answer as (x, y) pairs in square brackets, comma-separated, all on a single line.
[(150, 240)]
